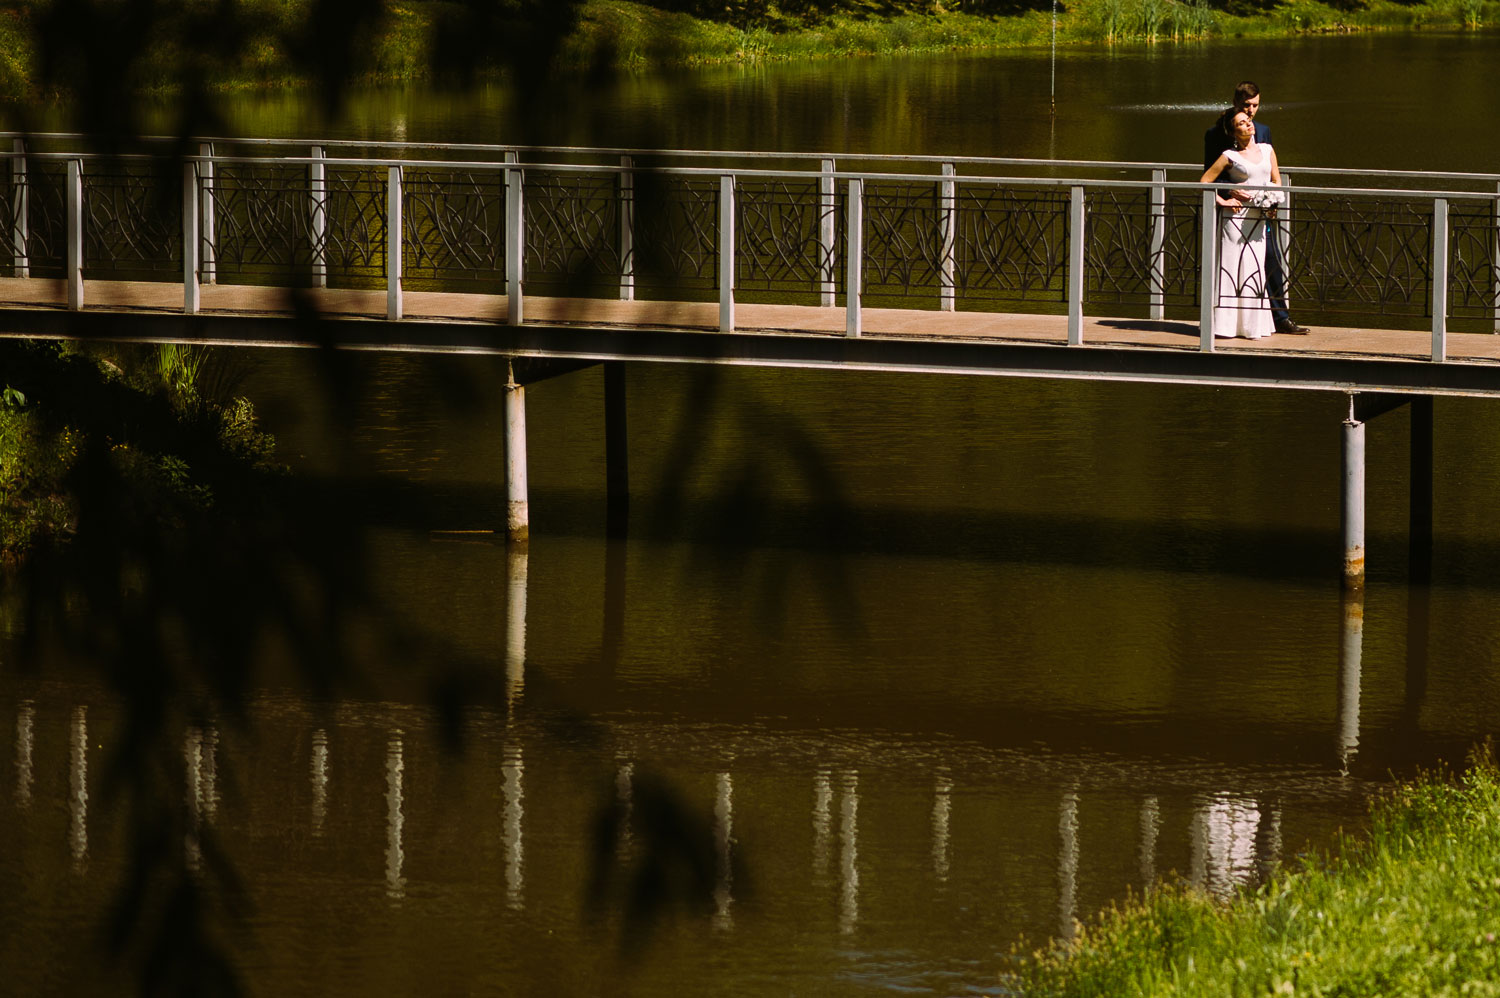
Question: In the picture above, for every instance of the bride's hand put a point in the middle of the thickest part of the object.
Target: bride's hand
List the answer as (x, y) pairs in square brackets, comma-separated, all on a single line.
[(1232, 204)]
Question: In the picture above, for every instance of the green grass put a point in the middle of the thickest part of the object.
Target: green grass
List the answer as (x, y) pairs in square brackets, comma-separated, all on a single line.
[(1411, 909)]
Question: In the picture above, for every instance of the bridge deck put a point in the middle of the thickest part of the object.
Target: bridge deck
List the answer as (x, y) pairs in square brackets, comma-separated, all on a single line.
[(1008, 327)]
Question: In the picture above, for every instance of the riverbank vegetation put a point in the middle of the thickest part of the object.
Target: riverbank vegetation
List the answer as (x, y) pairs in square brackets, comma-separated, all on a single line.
[(265, 43), (1411, 909), (164, 419)]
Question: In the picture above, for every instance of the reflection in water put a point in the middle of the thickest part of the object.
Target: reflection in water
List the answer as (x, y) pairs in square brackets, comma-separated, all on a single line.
[(208, 787), (1268, 844), (1349, 667), (395, 857), (942, 805), (78, 786), (849, 852), (1067, 865), (512, 769), (192, 741), (1150, 829), (723, 851), (25, 717), (319, 780), (822, 820), (625, 800), (515, 622), (1225, 830)]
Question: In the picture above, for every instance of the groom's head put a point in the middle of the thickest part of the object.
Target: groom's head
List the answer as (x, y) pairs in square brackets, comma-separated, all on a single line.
[(1247, 98)]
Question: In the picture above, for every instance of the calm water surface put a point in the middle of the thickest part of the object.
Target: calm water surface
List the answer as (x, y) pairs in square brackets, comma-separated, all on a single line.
[(941, 663)]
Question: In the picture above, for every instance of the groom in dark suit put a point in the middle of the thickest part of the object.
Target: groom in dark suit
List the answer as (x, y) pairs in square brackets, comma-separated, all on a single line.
[(1215, 141)]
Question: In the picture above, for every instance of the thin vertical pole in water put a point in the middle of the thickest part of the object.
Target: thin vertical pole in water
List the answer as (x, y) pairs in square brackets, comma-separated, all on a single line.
[(1158, 244), (191, 238), (20, 211), (517, 510), (75, 233), (1354, 500), (317, 206), (947, 235), (208, 248), (393, 225), (616, 446), (1054, 59), (1419, 526)]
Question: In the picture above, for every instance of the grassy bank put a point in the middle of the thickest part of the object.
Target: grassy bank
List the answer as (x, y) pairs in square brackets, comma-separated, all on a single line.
[(404, 40), (1413, 909)]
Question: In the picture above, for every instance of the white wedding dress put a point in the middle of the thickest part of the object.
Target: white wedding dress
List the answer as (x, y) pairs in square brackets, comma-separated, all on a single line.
[(1243, 307)]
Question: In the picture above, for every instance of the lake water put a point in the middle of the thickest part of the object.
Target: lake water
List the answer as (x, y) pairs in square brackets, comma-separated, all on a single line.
[(937, 665)]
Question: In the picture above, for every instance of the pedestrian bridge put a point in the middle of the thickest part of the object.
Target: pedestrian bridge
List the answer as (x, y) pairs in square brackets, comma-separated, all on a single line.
[(569, 256)]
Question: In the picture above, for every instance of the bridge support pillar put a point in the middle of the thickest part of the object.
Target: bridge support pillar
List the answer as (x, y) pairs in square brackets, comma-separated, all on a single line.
[(1419, 525), (616, 449), (1353, 504), (517, 509)]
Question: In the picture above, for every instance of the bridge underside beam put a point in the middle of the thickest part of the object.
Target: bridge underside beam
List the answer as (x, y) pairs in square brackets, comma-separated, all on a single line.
[(590, 344)]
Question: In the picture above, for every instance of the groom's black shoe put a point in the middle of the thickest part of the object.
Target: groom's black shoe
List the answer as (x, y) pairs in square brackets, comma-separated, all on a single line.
[(1288, 326)]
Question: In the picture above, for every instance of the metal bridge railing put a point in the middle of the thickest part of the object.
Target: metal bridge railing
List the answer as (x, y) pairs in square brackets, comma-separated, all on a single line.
[(737, 228)]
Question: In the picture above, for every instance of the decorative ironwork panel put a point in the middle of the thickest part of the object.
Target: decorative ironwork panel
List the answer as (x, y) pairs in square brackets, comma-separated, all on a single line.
[(1473, 260), (454, 227), (132, 221), (1363, 255), (676, 236), (572, 231), (1122, 262), (1012, 244), (778, 249), (356, 234), (262, 221), (903, 244)]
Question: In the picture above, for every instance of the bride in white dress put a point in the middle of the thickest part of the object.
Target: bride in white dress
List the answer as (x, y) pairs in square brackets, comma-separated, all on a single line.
[(1243, 307)]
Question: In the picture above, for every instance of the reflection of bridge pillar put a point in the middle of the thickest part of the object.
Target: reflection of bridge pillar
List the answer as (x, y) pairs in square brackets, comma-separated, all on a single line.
[(395, 855), (515, 621), (724, 851), (1350, 650), (849, 852), (192, 741), (512, 769), (25, 720), (942, 807), (78, 786), (625, 802), (1268, 843), (1067, 865), (1225, 835), (517, 508), (822, 820), (1150, 831), (319, 780)]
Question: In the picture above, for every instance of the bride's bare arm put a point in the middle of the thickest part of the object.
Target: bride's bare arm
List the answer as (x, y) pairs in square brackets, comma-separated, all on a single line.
[(1275, 169), (1212, 174)]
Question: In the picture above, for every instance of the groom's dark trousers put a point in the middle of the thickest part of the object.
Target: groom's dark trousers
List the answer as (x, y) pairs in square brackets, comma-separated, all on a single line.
[(1215, 141)]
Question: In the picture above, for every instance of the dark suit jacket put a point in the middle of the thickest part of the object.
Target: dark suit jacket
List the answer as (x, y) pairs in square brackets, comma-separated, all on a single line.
[(1216, 140)]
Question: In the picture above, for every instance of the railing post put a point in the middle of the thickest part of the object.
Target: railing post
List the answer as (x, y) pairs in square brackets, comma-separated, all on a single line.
[(1284, 227), (1495, 257), (827, 235), (855, 247), (1208, 269), (317, 184), (947, 238), (626, 193), (208, 245), (1076, 245), (515, 238), (20, 211), (1440, 279), (74, 198), (1158, 264), (192, 235), (393, 234), (726, 253)]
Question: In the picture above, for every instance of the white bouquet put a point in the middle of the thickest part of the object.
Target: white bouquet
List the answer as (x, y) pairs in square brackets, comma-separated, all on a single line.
[(1266, 200)]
